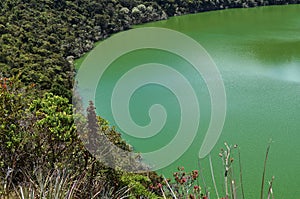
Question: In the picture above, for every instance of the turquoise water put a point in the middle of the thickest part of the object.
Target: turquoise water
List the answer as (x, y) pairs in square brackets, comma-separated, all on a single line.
[(257, 51)]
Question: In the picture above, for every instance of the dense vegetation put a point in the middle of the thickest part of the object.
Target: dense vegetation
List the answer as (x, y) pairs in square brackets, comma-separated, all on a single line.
[(38, 41)]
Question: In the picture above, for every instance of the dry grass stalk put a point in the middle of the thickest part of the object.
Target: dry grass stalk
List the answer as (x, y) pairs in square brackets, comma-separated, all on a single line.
[(264, 171), (213, 176)]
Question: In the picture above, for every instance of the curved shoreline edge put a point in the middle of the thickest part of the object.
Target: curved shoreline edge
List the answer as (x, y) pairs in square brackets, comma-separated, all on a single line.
[(157, 10)]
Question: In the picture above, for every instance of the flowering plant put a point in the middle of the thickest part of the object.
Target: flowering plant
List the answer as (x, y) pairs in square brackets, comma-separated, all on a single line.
[(184, 185)]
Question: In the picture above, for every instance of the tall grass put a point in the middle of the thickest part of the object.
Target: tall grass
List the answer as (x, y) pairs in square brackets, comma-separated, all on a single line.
[(232, 182), (58, 184)]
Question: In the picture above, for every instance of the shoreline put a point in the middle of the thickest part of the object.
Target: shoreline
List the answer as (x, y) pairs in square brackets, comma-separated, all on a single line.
[(164, 16)]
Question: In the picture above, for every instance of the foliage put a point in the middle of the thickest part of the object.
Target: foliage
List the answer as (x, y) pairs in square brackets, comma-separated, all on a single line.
[(14, 136), (184, 185), (137, 185), (39, 135), (41, 38)]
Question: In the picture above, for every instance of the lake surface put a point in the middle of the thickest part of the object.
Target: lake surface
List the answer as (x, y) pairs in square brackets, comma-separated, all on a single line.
[(257, 51)]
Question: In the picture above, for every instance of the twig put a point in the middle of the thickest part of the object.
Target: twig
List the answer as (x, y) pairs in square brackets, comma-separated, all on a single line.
[(233, 190), (227, 155), (174, 196), (241, 175), (163, 192), (213, 176), (202, 177), (264, 172), (270, 192)]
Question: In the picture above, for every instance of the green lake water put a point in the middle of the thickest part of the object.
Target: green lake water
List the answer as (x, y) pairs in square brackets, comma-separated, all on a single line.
[(257, 51)]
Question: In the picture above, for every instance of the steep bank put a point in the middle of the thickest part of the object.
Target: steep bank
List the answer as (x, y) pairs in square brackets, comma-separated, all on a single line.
[(39, 40), (39, 35)]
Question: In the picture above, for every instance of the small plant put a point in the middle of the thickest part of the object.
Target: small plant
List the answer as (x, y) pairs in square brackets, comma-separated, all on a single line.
[(185, 184), (229, 179)]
